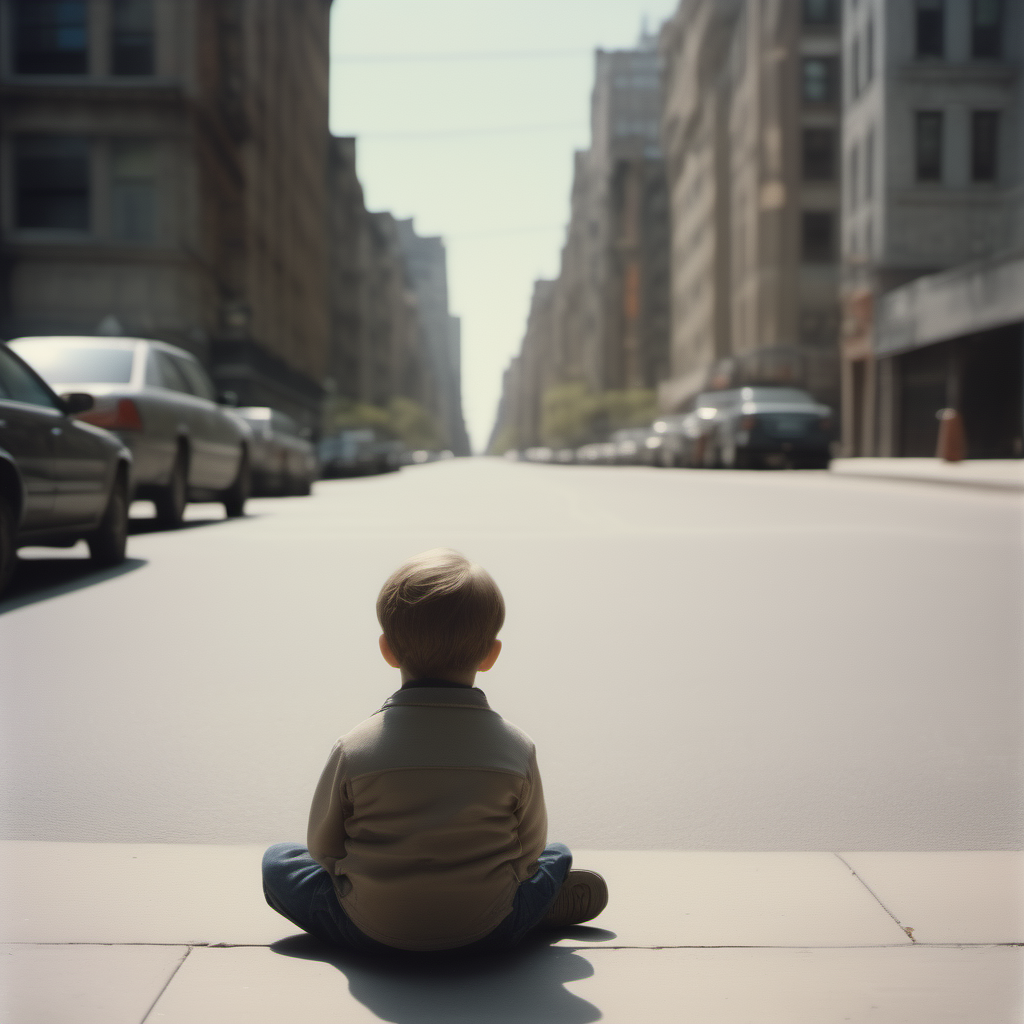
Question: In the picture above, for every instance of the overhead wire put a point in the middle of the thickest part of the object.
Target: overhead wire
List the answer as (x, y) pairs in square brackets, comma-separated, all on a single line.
[(444, 133), (386, 58)]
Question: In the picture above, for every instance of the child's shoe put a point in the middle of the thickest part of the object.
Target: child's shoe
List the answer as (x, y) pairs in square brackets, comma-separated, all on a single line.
[(584, 894)]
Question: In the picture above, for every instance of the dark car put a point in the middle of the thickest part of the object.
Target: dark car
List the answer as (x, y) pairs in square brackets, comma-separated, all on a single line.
[(283, 458), (61, 480), (687, 438), (773, 426), (186, 446)]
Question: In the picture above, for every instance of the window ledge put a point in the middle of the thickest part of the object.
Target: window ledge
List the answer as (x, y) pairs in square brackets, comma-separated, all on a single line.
[(935, 69)]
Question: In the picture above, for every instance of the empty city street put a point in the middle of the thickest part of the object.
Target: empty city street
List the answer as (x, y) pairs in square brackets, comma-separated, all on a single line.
[(706, 660)]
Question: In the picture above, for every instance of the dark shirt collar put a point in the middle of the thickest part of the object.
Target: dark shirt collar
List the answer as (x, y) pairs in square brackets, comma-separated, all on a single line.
[(412, 684), (438, 693)]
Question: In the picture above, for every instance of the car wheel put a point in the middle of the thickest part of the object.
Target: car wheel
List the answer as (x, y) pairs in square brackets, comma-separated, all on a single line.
[(170, 501), (235, 496), (8, 549), (107, 545)]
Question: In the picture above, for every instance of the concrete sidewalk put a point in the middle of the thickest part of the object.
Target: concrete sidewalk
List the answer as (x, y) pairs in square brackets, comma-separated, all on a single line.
[(993, 474), (131, 933)]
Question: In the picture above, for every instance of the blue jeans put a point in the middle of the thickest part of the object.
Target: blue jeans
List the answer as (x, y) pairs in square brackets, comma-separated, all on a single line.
[(301, 890)]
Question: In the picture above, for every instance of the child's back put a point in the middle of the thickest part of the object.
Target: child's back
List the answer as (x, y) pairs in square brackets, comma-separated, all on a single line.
[(429, 815), (427, 829)]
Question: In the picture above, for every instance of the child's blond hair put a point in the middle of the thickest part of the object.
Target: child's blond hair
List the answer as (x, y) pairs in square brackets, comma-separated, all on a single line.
[(440, 613)]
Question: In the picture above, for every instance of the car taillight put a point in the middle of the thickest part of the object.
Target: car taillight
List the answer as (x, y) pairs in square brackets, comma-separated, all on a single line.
[(747, 422), (122, 415)]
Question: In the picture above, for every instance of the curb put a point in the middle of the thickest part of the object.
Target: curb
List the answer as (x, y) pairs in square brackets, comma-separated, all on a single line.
[(1003, 486)]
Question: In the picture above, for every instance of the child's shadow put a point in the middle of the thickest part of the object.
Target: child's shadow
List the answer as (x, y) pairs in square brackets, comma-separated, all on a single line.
[(526, 986)]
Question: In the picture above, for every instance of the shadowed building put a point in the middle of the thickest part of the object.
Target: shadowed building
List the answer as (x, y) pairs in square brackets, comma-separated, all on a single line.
[(427, 269), (163, 168), (392, 335), (933, 215)]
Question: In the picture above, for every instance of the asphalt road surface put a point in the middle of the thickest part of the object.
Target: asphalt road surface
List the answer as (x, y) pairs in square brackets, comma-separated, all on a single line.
[(706, 660)]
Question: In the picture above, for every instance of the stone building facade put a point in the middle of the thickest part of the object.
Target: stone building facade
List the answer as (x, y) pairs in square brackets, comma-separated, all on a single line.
[(603, 324), (933, 213), (440, 339), (750, 130), (162, 173), (392, 334)]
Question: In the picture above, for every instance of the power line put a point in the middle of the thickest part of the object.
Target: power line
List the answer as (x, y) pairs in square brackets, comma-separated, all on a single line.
[(385, 58), (521, 129), (497, 232)]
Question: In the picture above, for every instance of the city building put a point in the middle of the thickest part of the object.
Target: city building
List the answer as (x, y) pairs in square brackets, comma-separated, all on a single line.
[(603, 325), (933, 225), (750, 130), (427, 268), (392, 335), (163, 174)]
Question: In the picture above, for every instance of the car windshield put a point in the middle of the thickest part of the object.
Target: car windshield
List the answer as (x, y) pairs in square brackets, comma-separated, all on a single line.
[(78, 364)]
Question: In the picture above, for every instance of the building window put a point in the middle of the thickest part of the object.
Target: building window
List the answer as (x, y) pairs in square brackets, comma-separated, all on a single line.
[(52, 182), (817, 236), (819, 154), (133, 190), (984, 145), (131, 41), (821, 12), (869, 164), (51, 37), (852, 167), (930, 28), (869, 52), (928, 145), (986, 28), (855, 68), (818, 81)]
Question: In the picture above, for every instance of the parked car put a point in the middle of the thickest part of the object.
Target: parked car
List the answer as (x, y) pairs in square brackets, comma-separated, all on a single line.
[(157, 398), (359, 452), (774, 426), (667, 443), (61, 480), (631, 448), (597, 453), (539, 453), (282, 458)]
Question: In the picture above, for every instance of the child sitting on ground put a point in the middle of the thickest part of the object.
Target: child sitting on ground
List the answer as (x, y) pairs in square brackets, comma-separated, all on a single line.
[(428, 827)]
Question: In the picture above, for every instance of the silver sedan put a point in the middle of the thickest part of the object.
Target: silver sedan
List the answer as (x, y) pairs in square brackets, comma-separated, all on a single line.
[(160, 402)]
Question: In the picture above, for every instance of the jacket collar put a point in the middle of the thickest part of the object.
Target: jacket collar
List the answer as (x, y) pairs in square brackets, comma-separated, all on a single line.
[(438, 696)]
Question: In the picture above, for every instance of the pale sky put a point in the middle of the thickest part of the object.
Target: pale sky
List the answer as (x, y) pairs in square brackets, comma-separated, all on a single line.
[(467, 114)]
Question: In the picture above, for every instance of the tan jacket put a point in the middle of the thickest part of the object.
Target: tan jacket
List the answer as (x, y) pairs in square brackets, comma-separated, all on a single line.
[(428, 815)]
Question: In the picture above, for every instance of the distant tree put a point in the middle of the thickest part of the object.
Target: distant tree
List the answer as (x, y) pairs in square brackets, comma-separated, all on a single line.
[(347, 414), (415, 425), (567, 412), (572, 414), (403, 420), (506, 439), (633, 407)]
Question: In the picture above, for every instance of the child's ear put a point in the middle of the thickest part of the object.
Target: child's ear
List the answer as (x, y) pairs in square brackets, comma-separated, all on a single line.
[(385, 650), (492, 657)]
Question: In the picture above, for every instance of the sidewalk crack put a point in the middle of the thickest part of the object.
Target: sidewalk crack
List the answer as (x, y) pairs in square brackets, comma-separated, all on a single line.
[(906, 929), (177, 967)]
